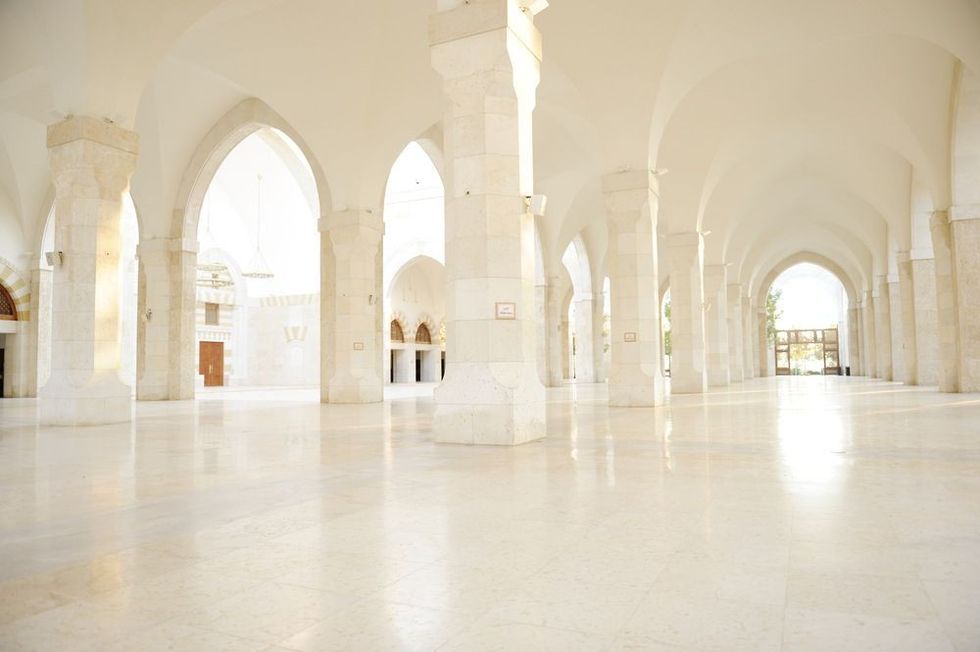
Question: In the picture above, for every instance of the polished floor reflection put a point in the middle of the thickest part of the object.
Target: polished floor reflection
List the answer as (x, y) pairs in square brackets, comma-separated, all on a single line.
[(794, 513)]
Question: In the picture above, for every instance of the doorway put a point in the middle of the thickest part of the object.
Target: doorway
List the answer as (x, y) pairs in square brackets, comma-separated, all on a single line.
[(212, 365), (807, 352), (418, 366), (1, 373)]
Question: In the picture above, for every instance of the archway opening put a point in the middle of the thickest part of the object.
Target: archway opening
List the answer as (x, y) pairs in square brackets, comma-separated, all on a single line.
[(414, 269), (582, 325), (806, 322), (258, 281)]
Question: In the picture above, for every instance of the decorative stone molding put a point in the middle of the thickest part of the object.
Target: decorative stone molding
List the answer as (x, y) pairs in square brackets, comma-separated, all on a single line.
[(18, 288)]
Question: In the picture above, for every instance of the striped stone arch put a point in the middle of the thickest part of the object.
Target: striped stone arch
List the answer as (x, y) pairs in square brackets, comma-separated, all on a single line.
[(426, 320), (397, 318), (18, 289)]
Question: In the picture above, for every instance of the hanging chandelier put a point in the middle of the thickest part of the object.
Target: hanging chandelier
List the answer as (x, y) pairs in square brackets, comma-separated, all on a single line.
[(257, 267), (213, 275)]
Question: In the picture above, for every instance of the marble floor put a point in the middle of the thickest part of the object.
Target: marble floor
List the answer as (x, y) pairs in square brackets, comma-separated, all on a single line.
[(791, 513)]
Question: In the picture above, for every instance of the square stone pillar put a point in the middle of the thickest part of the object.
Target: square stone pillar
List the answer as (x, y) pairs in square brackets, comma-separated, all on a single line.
[(404, 359), (736, 359), (854, 341), (91, 163), (716, 325), (585, 370), (541, 332), (762, 344), (956, 241), (870, 350), (883, 331), (688, 373), (598, 342), (926, 320), (636, 366), (897, 343), (165, 335), (556, 334), (749, 366), (965, 229), (906, 288), (351, 340), (718, 358), (488, 53)]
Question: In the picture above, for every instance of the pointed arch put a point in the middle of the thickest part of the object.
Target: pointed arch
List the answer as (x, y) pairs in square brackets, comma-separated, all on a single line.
[(18, 293), (243, 120)]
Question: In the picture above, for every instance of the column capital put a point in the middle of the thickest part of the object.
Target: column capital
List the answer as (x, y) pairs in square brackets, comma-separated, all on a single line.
[(630, 180), (964, 212), (938, 219), (151, 246), (454, 21), (687, 239), (366, 218), (91, 129)]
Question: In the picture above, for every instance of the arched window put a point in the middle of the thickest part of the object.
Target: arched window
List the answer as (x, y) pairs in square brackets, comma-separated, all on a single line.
[(396, 331), (422, 335), (8, 310)]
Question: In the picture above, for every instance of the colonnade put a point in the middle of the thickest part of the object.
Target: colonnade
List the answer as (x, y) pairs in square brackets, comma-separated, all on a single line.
[(918, 325)]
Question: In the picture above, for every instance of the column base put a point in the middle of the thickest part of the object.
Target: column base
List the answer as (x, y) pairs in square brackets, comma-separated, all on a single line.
[(473, 406), (632, 390), (103, 400), (354, 389)]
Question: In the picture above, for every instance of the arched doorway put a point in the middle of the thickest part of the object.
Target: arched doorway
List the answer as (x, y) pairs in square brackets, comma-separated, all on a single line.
[(806, 322), (414, 268), (258, 279)]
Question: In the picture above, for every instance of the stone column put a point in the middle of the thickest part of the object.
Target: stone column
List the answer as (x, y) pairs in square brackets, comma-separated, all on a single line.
[(489, 58), (636, 366), (165, 335), (688, 373), (91, 164), (926, 320), (556, 325), (870, 351), (883, 331), (854, 341), (736, 358), (542, 333), (748, 339), (405, 365), (895, 328), (351, 307), (431, 365), (565, 351), (584, 341), (716, 325), (910, 358), (956, 241), (598, 341), (965, 229), (762, 344)]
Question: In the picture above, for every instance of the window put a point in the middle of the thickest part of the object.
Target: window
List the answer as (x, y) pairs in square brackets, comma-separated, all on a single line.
[(396, 331), (422, 335), (7, 309), (211, 314)]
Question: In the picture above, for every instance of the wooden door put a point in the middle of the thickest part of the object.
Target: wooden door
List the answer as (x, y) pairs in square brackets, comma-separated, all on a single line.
[(212, 365)]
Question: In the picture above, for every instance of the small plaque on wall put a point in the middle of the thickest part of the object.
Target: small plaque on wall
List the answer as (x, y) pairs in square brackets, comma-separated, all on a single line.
[(506, 310), (629, 336), (358, 346)]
